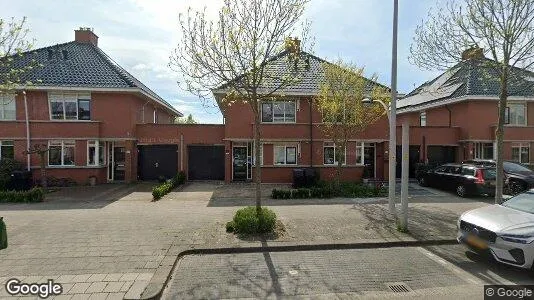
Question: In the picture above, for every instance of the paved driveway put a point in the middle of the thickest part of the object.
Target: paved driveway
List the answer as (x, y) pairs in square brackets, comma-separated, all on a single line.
[(110, 243)]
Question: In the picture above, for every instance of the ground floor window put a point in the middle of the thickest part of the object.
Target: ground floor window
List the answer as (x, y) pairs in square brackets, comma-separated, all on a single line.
[(332, 154), (521, 152), (483, 151), (285, 155), (7, 150), (95, 153), (61, 153)]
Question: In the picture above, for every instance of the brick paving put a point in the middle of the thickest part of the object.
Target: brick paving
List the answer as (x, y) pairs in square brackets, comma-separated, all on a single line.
[(113, 234)]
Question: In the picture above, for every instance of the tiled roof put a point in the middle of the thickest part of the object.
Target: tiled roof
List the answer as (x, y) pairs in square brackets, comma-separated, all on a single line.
[(309, 73), (468, 78), (86, 66)]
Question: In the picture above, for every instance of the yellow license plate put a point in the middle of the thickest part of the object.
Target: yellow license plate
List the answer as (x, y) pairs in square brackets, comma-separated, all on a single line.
[(476, 242)]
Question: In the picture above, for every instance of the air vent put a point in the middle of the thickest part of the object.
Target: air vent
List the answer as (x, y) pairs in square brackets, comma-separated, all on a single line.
[(398, 287), (65, 54)]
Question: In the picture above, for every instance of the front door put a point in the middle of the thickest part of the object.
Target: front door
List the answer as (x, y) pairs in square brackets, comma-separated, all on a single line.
[(240, 163), (119, 166), (369, 159)]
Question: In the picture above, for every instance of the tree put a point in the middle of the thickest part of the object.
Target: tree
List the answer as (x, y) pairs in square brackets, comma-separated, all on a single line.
[(41, 150), (14, 44), (502, 29), (185, 120), (340, 101), (231, 56)]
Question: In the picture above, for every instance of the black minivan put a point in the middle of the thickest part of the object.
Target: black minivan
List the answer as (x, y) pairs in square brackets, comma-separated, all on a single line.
[(464, 179)]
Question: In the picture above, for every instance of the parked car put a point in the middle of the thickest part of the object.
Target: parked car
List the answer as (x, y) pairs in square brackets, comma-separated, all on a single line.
[(505, 231), (519, 177), (464, 179)]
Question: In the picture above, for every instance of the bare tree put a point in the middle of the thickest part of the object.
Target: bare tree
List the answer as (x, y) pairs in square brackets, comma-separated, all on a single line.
[(502, 29), (343, 111), (230, 56)]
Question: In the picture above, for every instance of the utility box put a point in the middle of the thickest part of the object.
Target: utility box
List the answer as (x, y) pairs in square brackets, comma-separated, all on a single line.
[(3, 234)]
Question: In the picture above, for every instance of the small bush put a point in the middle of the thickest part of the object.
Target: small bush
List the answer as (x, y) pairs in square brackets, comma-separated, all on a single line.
[(163, 189), (33, 195), (7, 166), (179, 178), (246, 221)]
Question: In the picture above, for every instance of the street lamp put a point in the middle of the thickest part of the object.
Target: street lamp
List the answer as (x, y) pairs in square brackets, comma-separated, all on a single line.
[(392, 151)]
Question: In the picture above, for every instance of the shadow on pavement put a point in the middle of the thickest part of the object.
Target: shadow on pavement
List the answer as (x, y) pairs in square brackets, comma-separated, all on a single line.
[(86, 197)]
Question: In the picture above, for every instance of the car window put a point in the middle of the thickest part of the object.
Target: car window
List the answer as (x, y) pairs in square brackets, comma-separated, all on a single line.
[(489, 174), (456, 170), (523, 202), (440, 169), (510, 167), (468, 171)]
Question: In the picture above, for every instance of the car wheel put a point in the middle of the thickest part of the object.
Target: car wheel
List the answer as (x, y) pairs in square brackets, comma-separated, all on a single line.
[(461, 190), (422, 181), (516, 187)]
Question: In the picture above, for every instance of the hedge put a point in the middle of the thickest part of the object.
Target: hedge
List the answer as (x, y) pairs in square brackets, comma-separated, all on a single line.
[(247, 221), (33, 195), (328, 190), (163, 189)]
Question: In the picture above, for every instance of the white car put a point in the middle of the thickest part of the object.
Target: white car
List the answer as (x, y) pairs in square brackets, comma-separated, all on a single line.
[(506, 231)]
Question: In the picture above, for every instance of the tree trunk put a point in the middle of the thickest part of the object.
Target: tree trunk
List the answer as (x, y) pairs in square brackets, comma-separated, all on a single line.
[(257, 161), (44, 182), (499, 134)]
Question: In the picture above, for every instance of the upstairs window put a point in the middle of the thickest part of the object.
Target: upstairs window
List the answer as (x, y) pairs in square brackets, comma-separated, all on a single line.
[(422, 118), (70, 106), (278, 112), (516, 114), (7, 107)]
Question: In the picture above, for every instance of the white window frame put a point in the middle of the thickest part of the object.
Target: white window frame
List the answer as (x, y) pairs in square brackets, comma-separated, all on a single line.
[(480, 150), (333, 145), (5, 101), (63, 144), (509, 117), (96, 144), (68, 97), (285, 155), (155, 117), (360, 146), (422, 119), (6, 143), (285, 121), (521, 146)]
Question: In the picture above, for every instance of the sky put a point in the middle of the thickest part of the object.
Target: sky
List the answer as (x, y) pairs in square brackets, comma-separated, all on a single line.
[(141, 34)]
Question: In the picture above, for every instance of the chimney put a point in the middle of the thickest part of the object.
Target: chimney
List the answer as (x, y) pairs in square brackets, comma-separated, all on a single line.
[(86, 35), (292, 45), (473, 53)]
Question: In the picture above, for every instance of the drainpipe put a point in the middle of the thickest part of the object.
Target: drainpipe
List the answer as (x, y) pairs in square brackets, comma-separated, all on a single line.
[(311, 135), (181, 152), (28, 155), (450, 115)]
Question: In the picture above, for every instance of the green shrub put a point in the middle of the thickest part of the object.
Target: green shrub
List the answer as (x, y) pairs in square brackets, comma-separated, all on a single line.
[(179, 178), (7, 166), (246, 221), (163, 189), (33, 195), (329, 190)]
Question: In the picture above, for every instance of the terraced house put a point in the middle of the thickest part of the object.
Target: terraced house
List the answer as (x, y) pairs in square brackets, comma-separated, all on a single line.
[(453, 117)]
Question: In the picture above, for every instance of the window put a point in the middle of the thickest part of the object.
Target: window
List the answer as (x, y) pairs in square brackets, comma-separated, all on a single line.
[(483, 150), (7, 150), (468, 171), (7, 107), (422, 118), (521, 153), (331, 153), (155, 117), (360, 160), (278, 112), (285, 155), (516, 114), (95, 153), (70, 106), (61, 153)]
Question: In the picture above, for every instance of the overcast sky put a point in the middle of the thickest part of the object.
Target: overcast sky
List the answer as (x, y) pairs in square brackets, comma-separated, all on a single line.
[(140, 35)]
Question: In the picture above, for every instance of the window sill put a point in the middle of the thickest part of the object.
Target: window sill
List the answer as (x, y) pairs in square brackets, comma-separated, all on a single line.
[(75, 167), (277, 123)]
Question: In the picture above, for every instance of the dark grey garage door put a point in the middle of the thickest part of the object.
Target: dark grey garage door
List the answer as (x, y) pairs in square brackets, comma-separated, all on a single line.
[(157, 160), (205, 162)]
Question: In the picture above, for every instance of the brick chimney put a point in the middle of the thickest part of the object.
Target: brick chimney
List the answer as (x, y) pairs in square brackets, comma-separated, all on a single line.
[(86, 35), (473, 53)]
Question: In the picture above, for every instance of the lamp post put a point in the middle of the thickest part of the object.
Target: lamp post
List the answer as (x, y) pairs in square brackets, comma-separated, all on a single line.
[(393, 112)]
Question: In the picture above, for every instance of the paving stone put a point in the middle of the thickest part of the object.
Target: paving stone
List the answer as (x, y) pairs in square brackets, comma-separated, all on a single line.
[(96, 287), (113, 287), (62, 297), (79, 288), (80, 296), (136, 290), (82, 278), (113, 277), (145, 276), (98, 296), (96, 277), (129, 277), (66, 279)]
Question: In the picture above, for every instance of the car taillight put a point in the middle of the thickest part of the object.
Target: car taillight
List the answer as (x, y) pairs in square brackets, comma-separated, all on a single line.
[(479, 177)]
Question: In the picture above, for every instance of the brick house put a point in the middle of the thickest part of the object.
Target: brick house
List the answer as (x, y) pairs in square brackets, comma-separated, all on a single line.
[(84, 107), (453, 117)]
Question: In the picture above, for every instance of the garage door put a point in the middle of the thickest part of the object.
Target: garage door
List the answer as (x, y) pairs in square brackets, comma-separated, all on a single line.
[(157, 160), (205, 162)]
